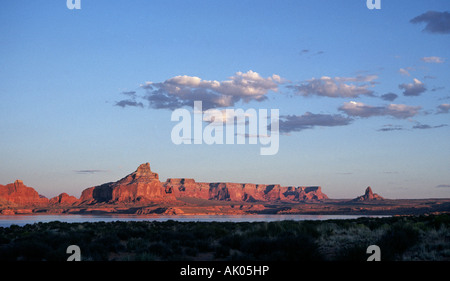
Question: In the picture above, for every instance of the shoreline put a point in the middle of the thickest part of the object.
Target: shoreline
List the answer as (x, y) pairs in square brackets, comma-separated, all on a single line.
[(390, 207)]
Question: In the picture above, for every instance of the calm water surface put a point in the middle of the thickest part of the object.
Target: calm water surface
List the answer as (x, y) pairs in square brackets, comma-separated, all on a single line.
[(6, 221)]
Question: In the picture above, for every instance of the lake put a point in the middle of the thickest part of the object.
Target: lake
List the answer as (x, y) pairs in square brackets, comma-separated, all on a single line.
[(6, 221)]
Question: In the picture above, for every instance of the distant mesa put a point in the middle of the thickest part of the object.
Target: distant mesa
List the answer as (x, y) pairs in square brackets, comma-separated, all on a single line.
[(246, 192), (19, 194), (143, 187), (142, 193), (368, 196)]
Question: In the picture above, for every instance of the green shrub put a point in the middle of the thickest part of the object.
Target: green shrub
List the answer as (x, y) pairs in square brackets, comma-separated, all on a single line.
[(397, 240)]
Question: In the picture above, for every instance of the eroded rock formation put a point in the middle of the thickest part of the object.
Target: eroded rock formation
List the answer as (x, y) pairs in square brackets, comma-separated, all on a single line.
[(368, 196), (141, 186), (246, 192), (19, 194), (63, 199)]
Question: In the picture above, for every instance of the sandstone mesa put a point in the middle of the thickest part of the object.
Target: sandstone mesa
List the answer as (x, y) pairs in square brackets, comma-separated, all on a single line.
[(144, 187), (142, 193)]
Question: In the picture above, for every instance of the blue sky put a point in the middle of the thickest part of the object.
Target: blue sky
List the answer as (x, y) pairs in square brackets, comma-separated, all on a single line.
[(363, 94)]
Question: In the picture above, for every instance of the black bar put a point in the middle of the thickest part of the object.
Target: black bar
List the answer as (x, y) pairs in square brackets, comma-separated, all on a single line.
[(225, 270)]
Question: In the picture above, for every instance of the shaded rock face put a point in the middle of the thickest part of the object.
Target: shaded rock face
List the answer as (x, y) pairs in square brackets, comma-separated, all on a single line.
[(242, 192), (141, 186), (368, 196), (22, 195)]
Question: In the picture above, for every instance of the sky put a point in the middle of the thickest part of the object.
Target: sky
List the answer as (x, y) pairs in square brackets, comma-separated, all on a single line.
[(363, 95)]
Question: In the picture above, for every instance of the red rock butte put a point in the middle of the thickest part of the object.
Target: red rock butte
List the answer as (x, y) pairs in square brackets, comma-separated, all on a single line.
[(144, 186), (369, 196), (142, 193), (19, 194), (141, 186)]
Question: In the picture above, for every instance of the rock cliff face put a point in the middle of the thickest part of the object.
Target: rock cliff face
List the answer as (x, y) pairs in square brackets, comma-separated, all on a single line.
[(304, 193), (368, 196), (141, 186), (242, 191), (187, 188), (19, 194), (63, 199)]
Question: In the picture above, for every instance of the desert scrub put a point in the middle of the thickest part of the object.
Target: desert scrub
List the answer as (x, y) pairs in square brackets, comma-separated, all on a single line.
[(400, 238), (435, 245), (348, 242)]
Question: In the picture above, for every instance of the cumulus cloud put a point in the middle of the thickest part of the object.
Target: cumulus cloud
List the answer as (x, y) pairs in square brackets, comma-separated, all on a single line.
[(222, 117), (433, 59), (389, 97), (359, 109), (444, 108), (182, 90), (413, 89), (337, 86), (296, 123), (435, 22)]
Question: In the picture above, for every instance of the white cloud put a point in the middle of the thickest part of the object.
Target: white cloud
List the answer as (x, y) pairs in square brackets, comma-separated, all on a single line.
[(433, 59), (403, 71), (223, 117), (444, 108), (295, 123), (247, 85), (182, 90), (337, 86), (360, 109), (401, 111), (413, 89)]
